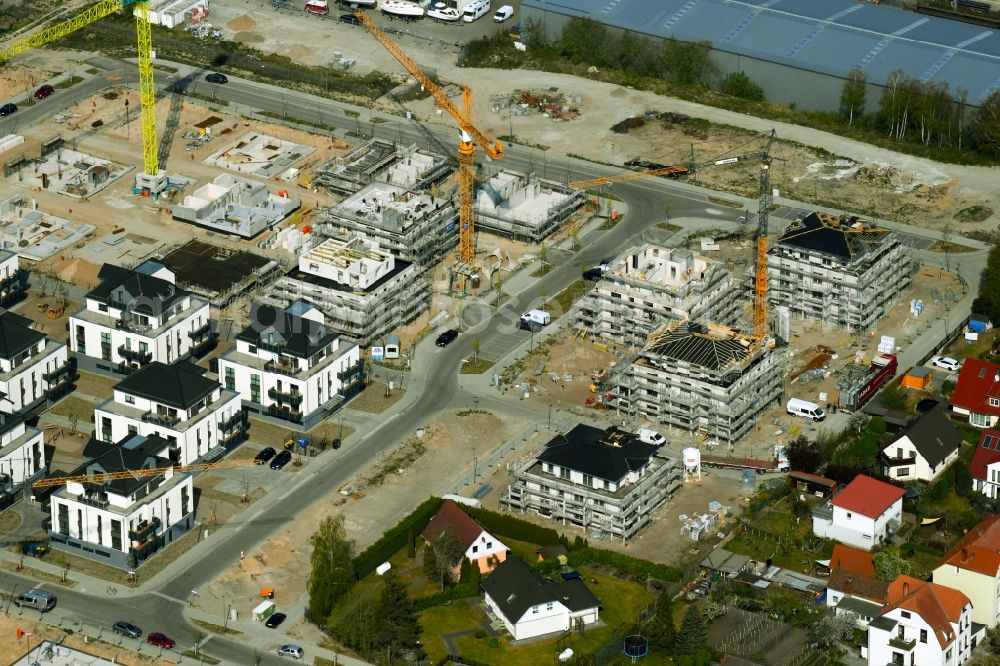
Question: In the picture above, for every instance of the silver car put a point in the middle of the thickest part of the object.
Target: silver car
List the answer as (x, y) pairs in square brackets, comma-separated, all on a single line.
[(126, 629), (293, 651)]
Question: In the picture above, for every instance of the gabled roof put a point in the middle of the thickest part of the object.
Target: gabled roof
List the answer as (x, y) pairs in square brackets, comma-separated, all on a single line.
[(142, 293), (181, 385), (933, 435), (695, 344), (867, 496), (852, 560), (515, 587), (450, 518), (858, 585), (977, 383), (605, 454), (979, 549), (987, 453), (299, 336), (131, 453), (16, 335), (841, 237), (937, 605)]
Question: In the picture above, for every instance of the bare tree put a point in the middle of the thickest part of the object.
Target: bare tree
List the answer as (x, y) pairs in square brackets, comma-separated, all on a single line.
[(447, 554)]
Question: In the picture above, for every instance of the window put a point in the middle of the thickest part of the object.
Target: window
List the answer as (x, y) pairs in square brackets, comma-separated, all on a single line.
[(549, 606), (947, 655), (849, 514), (116, 534), (100, 530), (63, 519), (489, 544), (897, 658), (475, 549), (905, 614), (133, 430), (923, 635), (903, 471), (129, 400), (980, 420), (994, 402), (534, 610)]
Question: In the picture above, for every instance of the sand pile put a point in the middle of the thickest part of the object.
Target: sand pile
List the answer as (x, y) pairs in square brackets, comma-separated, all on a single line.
[(241, 23)]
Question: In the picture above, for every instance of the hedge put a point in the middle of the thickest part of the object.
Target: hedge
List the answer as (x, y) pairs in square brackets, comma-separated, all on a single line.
[(624, 563), (503, 525), (920, 548), (395, 538)]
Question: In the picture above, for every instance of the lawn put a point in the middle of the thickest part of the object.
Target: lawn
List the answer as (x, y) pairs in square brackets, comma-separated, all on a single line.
[(73, 407), (563, 301), (783, 537), (862, 452), (476, 367)]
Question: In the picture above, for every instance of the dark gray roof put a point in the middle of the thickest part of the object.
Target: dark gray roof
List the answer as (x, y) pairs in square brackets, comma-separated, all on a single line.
[(884, 623), (142, 292), (830, 37), (859, 606), (516, 587), (180, 385), (692, 343), (133, 452), (16, 335), (295, 335), (844, 237), (933, 435), (604, 454)]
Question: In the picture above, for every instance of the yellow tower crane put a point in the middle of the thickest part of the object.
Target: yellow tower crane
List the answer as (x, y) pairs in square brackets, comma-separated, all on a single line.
[(101, 477), (151, 178), (470, 136)]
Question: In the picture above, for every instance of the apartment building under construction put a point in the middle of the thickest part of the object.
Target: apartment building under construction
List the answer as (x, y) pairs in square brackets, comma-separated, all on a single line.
[(705, 379), (839, 270), (650, 285)]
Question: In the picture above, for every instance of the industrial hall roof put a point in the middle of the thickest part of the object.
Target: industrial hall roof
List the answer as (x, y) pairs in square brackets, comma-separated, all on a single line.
[(698, 345), (841, 237), (831, 37)]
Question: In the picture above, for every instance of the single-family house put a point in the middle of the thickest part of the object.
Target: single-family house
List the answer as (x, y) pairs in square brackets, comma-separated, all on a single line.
[(529, 605), (864, 514), (925, 624), (977, 393), (852, 586), (973, 567), (985, 465), (924, 450), (478, 545)]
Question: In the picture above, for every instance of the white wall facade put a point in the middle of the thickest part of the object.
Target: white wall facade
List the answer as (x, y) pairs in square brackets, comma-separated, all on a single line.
[(920, 470), (22, 452), (976, 419), (991, 486), (927, 650), (483, 548), (983, 591), (855, 529), (23, 380)]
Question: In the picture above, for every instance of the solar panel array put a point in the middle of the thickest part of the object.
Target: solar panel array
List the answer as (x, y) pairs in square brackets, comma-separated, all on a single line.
[(830, 37)]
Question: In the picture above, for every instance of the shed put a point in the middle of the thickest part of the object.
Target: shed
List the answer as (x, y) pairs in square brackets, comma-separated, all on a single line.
[(918, 378), (979, 323), (725, 562), (557, 552), (812, 483)]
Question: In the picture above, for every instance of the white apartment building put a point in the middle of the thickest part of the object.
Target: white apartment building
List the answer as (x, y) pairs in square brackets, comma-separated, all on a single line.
[(33, 368), (288, 364), (124, 521), (648, 286), (973, 567), (193, 413), (135, 317), (22, 451), (12, 282), (864, 514)]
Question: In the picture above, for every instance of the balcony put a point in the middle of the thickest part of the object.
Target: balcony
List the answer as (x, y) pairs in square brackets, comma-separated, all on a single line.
[(286, 369), (201, 333), (131, 325), (352, 374), (56, 375), (135, 355), (126, 368), (99, 501), (233, 423), (144, 530), (164, 420), (60, 387), (293, 398), (286, 414), (902, 643)]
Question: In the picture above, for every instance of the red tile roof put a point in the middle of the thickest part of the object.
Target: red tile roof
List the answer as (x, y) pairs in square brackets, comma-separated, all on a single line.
[(867, 496), (976, 384), (852, 560), (937, 605), (987, 453), (979, 549), (450, 518)]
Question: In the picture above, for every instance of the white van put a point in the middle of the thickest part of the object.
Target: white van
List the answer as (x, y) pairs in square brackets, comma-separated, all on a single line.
[(650, 436), (810, 410), (477, 9), (503, 14), (535, 319)]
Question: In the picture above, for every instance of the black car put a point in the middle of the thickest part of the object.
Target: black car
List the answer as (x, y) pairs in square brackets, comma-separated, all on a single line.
[(349, 19), (446, 338), (281, 460), (126, 629), (644, 164), (263, 456), (275, 620), (593, 274), (215, 77), (8, 109)]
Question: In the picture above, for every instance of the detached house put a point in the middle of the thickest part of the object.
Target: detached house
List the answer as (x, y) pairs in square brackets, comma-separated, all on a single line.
[(852, 586), (977, 393), (193, 413), (528, 605), (864, 514), (985, 465), (135, 317), (927, 447), (480, 548), (922, 624), (290, 365), (33, 368), (123, 521), (973, 567)]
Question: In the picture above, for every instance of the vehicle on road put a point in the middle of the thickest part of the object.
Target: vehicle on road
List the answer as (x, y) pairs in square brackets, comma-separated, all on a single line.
[(281, 460), (40, 600), (349, 19), (446, 338), (264, 455), (318, 7), (8, 109), (275, 620), (535, 320), (123, 628), (160, 640), (44, 91), (293, 651), (946, 362), (215, 77)]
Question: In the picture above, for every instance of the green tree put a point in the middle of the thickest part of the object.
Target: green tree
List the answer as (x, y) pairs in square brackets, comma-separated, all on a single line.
[(447, 556), (738, 84), (638, 55), (853, 95), (889, 566), (332, 567), (586, 40), (397, 630), (689, 63), (691, 638), (660, 629), (804, 455), (963, 481), (988, 300)]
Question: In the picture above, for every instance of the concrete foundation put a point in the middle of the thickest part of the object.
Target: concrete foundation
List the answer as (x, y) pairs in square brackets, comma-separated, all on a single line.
[(259, 154), (35, 235), (381, 161), (234, 205), (71, 173), (524, 207)]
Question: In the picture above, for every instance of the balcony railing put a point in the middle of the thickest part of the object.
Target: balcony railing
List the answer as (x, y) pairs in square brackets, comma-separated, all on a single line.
[(63, 370), (295, 416), (93, 501), (289, 397), (60, 387), (144, 530), (351, 374), (129, 324), (164, 420), (136, 355), (902, 643), (233, 422), (282, 369), (202, 332)]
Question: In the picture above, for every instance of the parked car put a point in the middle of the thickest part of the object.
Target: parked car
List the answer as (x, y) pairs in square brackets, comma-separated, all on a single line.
[(215, 77), (293, 651), (446, 338), (946, 362), (44, 91), (349, 19), (275, 620), (8, 109), (40, 600), (126, 629), (281, 460), (160, 640), (264, 455)]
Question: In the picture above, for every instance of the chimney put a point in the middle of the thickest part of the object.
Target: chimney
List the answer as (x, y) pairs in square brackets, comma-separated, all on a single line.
[(965, 554), (906, 588)]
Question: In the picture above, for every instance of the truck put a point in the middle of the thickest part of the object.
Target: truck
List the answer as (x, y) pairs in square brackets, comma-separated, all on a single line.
[(859, 386), (779, 463)]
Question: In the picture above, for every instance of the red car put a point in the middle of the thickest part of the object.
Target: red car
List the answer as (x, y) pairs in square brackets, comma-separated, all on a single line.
[(160, 640), (44, 91)]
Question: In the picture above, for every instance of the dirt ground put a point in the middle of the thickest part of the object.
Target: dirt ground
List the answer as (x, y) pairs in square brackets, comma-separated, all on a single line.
[(374, 399), (569, 358), (12, 648)]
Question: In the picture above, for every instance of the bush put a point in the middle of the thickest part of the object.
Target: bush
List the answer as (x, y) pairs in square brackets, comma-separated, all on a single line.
[(503, 525), (395, 538), (739, 85), (624, 563)]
